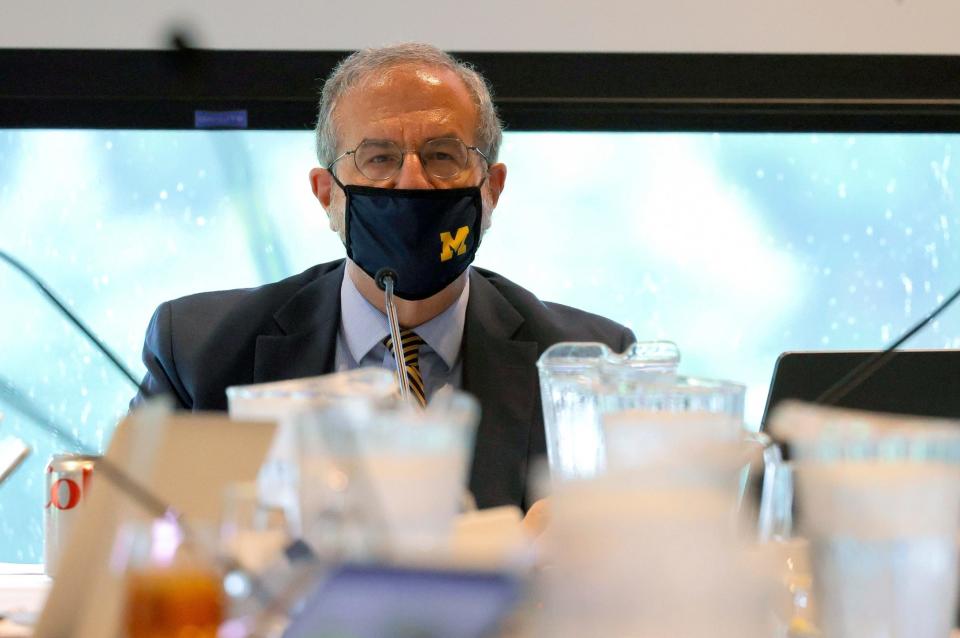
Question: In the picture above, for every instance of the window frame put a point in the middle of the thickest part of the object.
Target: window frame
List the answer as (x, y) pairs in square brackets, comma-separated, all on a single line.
[(153, 89)]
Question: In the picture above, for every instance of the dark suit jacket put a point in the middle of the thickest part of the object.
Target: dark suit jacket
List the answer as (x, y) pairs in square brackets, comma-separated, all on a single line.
[(199, 345)]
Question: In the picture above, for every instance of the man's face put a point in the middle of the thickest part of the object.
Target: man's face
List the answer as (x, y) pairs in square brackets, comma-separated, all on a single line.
[(409, 106)]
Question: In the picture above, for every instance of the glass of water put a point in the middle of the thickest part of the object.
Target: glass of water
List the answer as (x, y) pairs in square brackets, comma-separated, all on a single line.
[(879, 501)]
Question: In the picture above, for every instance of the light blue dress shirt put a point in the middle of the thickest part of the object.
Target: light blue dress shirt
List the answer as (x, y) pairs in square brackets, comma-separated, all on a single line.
[(363, 328)]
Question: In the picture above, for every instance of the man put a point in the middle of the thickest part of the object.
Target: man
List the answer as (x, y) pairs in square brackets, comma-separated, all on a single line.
[(408, 138)]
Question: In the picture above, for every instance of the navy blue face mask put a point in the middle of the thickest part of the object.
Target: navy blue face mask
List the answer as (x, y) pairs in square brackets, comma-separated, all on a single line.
[(427, 236)]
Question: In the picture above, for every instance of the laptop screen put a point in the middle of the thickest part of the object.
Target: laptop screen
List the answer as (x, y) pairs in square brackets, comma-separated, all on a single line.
[(921, 382)]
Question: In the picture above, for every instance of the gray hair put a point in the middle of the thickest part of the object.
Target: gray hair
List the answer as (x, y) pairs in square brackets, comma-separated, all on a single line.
[(360, 66)]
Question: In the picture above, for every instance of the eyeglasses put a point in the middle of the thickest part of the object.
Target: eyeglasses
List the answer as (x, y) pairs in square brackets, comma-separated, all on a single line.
[(443, 158)]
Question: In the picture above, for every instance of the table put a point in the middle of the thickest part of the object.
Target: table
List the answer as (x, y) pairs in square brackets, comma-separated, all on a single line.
[(23, 590)]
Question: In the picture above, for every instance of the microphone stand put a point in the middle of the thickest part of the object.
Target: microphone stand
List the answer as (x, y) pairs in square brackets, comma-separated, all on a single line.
[(386, 278), (855, 377), (113, 473), (62, 307), (306, 566)]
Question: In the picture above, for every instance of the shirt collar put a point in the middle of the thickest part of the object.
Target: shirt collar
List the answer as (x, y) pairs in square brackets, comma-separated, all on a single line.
[(364, 326)]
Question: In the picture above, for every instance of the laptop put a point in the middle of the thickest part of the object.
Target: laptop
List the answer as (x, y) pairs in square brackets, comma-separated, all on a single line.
[(374, 601), (919, 382)]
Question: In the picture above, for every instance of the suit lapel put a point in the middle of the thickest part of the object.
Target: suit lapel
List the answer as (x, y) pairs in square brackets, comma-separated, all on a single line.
[(501, 373), (498, 369), (309, 323)]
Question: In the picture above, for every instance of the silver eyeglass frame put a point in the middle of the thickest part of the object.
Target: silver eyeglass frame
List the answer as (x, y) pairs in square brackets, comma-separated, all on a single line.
[(403, 157)]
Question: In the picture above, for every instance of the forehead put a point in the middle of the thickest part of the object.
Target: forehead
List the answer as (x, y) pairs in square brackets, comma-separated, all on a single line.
[(406, 103)]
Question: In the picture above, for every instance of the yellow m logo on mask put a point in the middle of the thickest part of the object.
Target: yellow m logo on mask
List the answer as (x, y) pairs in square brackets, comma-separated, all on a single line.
[(453, 244)]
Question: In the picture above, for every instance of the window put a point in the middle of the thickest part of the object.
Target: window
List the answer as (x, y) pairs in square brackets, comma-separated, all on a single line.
[(737, 246)]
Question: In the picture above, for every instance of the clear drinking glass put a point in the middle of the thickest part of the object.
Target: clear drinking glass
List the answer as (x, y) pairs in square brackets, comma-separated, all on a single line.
[(788, 553), (172, 587), (879, 501), (572, 377), (384, 480), (281, 401), (251, 532)]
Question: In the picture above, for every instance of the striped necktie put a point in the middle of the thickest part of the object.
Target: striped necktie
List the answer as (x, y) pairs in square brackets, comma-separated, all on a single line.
[(411, 358)]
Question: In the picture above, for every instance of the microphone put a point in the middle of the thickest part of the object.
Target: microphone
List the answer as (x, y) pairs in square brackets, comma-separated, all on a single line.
[(386, 278), (383, 275)]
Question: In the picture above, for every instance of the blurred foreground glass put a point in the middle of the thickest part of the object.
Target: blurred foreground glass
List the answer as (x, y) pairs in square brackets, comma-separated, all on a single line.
[(651, 546), (171, 587), (651, 551), (648, 420), (696, 424), (879, 500), (251, 532), (572, 379), (281, 401), (793, 602), (381, 481)]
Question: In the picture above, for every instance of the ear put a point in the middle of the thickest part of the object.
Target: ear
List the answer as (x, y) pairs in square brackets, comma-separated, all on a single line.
[(320, 183), (496, 178)]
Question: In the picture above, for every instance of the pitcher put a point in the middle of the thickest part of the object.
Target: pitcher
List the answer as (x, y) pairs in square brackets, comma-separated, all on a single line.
[(572, 378)]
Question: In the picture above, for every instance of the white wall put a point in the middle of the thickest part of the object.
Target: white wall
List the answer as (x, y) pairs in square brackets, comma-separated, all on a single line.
[(828, 26)]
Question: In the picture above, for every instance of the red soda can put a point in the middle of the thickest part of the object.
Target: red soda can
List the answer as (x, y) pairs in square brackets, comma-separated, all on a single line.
[(68, 478)]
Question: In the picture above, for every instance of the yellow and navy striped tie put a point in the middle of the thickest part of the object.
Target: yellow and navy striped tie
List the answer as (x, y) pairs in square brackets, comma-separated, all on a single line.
[(411, 358)]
